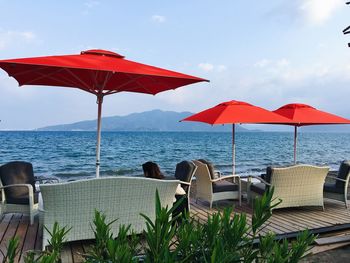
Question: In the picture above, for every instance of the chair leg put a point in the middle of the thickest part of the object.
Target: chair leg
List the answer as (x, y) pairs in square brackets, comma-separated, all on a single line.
[(31, 216), (210, 204)]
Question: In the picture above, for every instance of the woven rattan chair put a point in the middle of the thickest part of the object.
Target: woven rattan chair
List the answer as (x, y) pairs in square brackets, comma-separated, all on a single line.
[(184, 172), (73, 204), (339, 189), (298, 185), (212, 190), (17, 187)]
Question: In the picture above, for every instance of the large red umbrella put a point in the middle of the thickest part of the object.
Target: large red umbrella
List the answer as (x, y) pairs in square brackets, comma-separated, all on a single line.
[(303, 115), (232, 112), (99, 72)]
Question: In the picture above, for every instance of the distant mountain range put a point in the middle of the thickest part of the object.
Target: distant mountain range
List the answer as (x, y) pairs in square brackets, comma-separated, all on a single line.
[(155, 120)]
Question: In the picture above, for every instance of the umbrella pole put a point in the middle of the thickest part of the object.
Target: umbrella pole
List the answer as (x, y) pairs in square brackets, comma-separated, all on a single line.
[(233, 150), (295, 143), (99, 102)]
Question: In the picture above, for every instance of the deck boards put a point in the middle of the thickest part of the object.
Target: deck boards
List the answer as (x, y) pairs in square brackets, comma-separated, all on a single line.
[(286, 223)]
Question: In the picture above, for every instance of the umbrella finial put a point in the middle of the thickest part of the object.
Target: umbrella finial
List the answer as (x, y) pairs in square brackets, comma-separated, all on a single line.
[(101, 52)]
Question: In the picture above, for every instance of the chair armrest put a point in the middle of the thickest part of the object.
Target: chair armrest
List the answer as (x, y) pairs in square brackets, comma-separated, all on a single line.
[(332, 173), (226, 177), (30, 191), (186, 183), (258, 178), (29, 186), (43, 179), (218, 173), (336, 178)]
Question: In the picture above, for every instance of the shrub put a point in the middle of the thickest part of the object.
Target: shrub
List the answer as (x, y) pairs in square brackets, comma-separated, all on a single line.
[(225, 237)]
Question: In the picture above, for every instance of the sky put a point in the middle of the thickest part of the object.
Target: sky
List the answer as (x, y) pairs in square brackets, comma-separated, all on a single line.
[(268, 53)]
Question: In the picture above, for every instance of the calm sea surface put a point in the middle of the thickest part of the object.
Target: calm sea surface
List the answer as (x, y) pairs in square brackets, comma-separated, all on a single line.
[(72, 154)]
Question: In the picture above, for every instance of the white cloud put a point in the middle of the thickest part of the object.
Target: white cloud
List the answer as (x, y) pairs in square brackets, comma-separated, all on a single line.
[(7, 38), (158, 18), (206, 66), (90, 4), (210, 67), (272, 65), (262, 63), (319, 11), (221, 68)]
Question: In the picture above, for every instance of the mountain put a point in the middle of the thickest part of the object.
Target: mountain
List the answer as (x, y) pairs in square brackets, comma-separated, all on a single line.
[(155, 120)]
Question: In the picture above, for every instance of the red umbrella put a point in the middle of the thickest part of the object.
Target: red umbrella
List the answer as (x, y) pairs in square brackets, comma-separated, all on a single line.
[(99, 72), (232, 112), (303, 115)]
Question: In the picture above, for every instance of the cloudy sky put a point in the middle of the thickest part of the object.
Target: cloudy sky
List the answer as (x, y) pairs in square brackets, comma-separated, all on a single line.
[(268, 53)]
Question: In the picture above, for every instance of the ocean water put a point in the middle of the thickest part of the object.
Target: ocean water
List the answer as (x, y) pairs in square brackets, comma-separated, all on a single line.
[(69, 155)]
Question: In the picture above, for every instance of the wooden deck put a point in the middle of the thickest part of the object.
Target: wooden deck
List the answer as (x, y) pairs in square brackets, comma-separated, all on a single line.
[(286, 223)]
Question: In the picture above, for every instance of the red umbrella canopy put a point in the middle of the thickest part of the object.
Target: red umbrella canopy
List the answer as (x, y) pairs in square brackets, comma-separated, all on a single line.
[(236, 112), (96, 71), (303, 114)]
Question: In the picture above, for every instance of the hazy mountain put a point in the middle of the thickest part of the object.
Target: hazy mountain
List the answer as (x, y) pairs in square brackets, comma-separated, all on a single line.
[(155, 120)]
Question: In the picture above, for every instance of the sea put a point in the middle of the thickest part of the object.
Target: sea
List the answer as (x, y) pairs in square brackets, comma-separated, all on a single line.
[(71, 155)]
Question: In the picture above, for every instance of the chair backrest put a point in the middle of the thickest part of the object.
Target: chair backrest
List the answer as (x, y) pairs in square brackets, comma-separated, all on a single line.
[(17, 172), (203, 183), (300, 173), (298, 185), (152, 170), (73, 204), (343, 173), (184, 172), (210, 167)]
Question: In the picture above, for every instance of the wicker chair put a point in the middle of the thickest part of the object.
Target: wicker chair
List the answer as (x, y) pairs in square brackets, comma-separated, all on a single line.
[(72, 204), (339, 189), (211, 190), (298, 185), (184, 172), (17, 187)]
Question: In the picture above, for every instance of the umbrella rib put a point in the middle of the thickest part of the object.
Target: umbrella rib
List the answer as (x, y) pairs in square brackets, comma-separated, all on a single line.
[(138, 83), (123, 85), (107, 78), (41, 77), (88, 88), (155, 81), (27, 71)]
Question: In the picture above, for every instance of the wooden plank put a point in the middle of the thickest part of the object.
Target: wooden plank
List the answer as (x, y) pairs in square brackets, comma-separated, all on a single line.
[(21, 234), (10, 232), (320, 249), (5, 221), (39, 236), (4, 224), (306, 221), (332, 240), (29, 241)]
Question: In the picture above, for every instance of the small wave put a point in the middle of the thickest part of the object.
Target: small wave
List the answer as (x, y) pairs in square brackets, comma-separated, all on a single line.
[(73, 175)]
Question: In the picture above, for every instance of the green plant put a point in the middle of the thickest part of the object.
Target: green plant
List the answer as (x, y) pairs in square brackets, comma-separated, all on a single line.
[(160, 234), (225, 237), (120, 249), (52, 253), (12, 250)]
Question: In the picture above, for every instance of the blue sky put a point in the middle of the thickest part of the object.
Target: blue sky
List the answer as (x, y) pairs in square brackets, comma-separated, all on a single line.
[(268, 53)]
